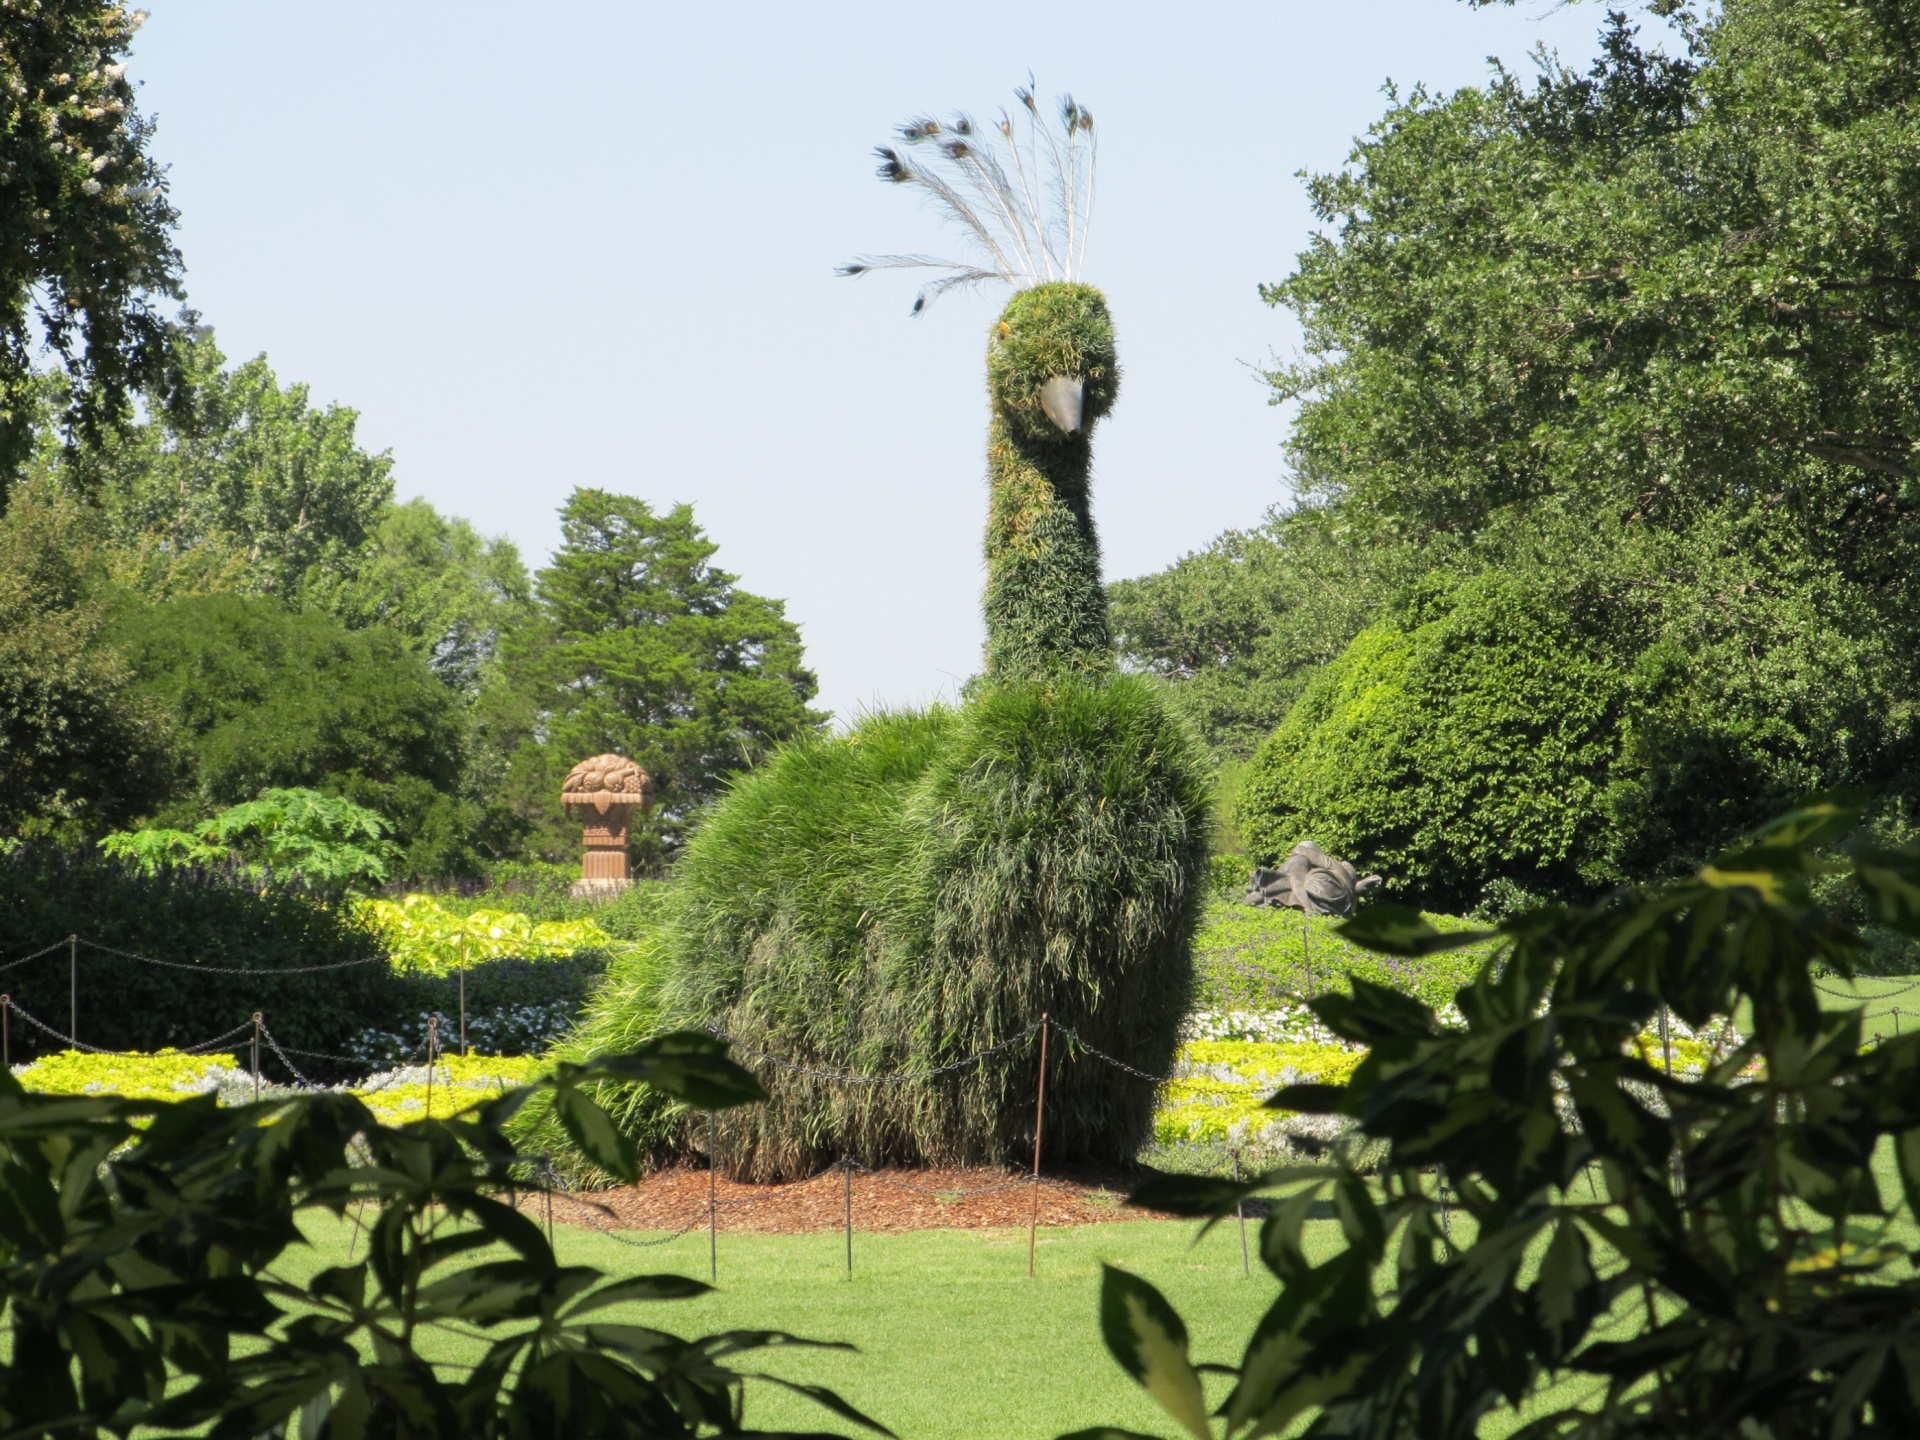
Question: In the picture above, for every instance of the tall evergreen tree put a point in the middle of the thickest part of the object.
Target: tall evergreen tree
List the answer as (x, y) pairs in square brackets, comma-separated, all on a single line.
[(640, 646)]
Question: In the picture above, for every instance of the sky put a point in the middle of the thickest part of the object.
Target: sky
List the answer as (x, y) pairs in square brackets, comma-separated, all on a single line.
[(545, 246)]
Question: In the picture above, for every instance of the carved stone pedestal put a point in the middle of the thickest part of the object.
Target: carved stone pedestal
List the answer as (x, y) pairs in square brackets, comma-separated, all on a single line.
[(602, 794)]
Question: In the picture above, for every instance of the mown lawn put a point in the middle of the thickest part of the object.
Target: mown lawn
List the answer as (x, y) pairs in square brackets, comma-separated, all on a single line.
[(956, 1343)]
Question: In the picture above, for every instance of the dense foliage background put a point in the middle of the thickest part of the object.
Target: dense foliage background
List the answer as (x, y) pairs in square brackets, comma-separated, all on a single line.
[(1607, 513)]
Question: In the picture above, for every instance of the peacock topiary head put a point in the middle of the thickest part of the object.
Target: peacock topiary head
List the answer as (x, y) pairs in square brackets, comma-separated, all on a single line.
[(1051, 366)]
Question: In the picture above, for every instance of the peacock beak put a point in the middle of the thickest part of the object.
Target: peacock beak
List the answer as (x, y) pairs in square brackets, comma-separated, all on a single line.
[(1064, 398)]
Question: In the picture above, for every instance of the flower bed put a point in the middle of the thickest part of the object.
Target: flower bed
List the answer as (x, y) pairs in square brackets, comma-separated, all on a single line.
[(394, 1096)]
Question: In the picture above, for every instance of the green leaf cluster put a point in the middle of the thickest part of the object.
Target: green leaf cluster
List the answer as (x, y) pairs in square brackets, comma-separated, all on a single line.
[(1538, 1228), (138, 1250), (331, 844)]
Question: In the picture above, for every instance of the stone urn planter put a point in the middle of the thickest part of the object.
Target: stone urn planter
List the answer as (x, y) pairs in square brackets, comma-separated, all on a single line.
[(602, 794)]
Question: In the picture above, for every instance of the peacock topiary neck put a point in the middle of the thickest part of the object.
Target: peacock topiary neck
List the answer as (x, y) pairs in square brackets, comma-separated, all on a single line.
[(1051, 374)]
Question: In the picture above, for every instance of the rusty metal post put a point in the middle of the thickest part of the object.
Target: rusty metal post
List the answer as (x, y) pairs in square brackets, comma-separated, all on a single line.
[(6, 1050), (73, 988), (1039, 1120), (433, 1055), (846, 1166), (256, 1055), (713, 1202), (1240, 1213)]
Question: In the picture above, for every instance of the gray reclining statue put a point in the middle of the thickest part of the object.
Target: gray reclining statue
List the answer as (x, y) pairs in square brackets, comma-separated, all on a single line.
[(1310, 880)]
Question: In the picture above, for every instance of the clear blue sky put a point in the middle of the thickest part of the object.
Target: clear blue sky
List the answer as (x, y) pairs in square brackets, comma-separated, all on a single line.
[(540, 246)]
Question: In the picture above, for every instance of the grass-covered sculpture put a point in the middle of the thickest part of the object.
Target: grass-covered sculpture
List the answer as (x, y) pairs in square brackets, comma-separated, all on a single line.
[(924, 887)]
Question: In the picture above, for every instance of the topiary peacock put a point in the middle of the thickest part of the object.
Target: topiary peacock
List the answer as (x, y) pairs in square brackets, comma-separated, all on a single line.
[(923, 887)]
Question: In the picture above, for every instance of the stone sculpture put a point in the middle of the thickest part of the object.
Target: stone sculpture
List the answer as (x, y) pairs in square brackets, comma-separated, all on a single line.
[(1310, 880), (602, 794)]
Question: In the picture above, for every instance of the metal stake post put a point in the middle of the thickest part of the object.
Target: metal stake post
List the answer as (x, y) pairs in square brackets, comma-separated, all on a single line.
[(463, 997), (846, 1165), (6, 1052), (433, 1054), (1240, 1213), (1666, 1045), (713, 1202), (1306, 948), (1039, 1120), (256, 1055), (73, 988)]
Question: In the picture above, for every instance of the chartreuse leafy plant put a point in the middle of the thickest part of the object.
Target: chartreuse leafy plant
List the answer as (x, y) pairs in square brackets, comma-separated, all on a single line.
[(427, 938), (140, 1242), (1618, 1251)]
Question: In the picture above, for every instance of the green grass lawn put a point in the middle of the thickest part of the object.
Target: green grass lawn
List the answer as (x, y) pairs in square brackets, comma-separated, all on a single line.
[(956, 1343)]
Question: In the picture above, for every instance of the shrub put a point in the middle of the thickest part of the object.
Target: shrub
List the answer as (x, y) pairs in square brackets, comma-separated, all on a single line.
[(193, 918), (1471, 737), (1540, 1230), (143, 1290)]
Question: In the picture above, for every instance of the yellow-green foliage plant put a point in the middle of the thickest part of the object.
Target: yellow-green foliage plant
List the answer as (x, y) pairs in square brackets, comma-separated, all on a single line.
[(425, 937), (896, 899)]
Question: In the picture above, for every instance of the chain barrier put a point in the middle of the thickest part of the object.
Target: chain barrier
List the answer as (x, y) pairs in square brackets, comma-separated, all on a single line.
[(199, 969), (889, 1079), (301, 1080), (1097, 1054), (57, 945), (1865, 999), (197, 1048)]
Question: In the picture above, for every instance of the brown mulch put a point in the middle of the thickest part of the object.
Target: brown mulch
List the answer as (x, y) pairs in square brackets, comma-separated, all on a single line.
[(892, 1200)]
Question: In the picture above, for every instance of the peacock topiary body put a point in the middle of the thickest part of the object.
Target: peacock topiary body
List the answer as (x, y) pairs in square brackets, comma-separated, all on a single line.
[(924, 887)]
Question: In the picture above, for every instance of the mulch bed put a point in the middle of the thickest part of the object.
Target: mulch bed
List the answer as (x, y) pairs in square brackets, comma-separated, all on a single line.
[(890, 1201)]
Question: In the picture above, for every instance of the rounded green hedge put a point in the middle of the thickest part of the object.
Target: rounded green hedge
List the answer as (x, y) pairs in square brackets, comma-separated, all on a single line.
[(1471, 737)]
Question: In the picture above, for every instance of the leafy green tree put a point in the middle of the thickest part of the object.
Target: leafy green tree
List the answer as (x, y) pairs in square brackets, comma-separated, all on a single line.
[(1543, 1231), (330, 843), (265, 697), (85, 225), (79, 743), (639, 646), (246, 487), (436, 581), (1240, 627)]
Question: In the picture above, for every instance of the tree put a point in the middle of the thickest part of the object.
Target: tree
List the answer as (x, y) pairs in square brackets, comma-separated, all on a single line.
[(245, 488), (639, 646), (1240, 627), (330, 844), (78, 742), (266, 697), (437, 582), (1644, 329), (85, 226)]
